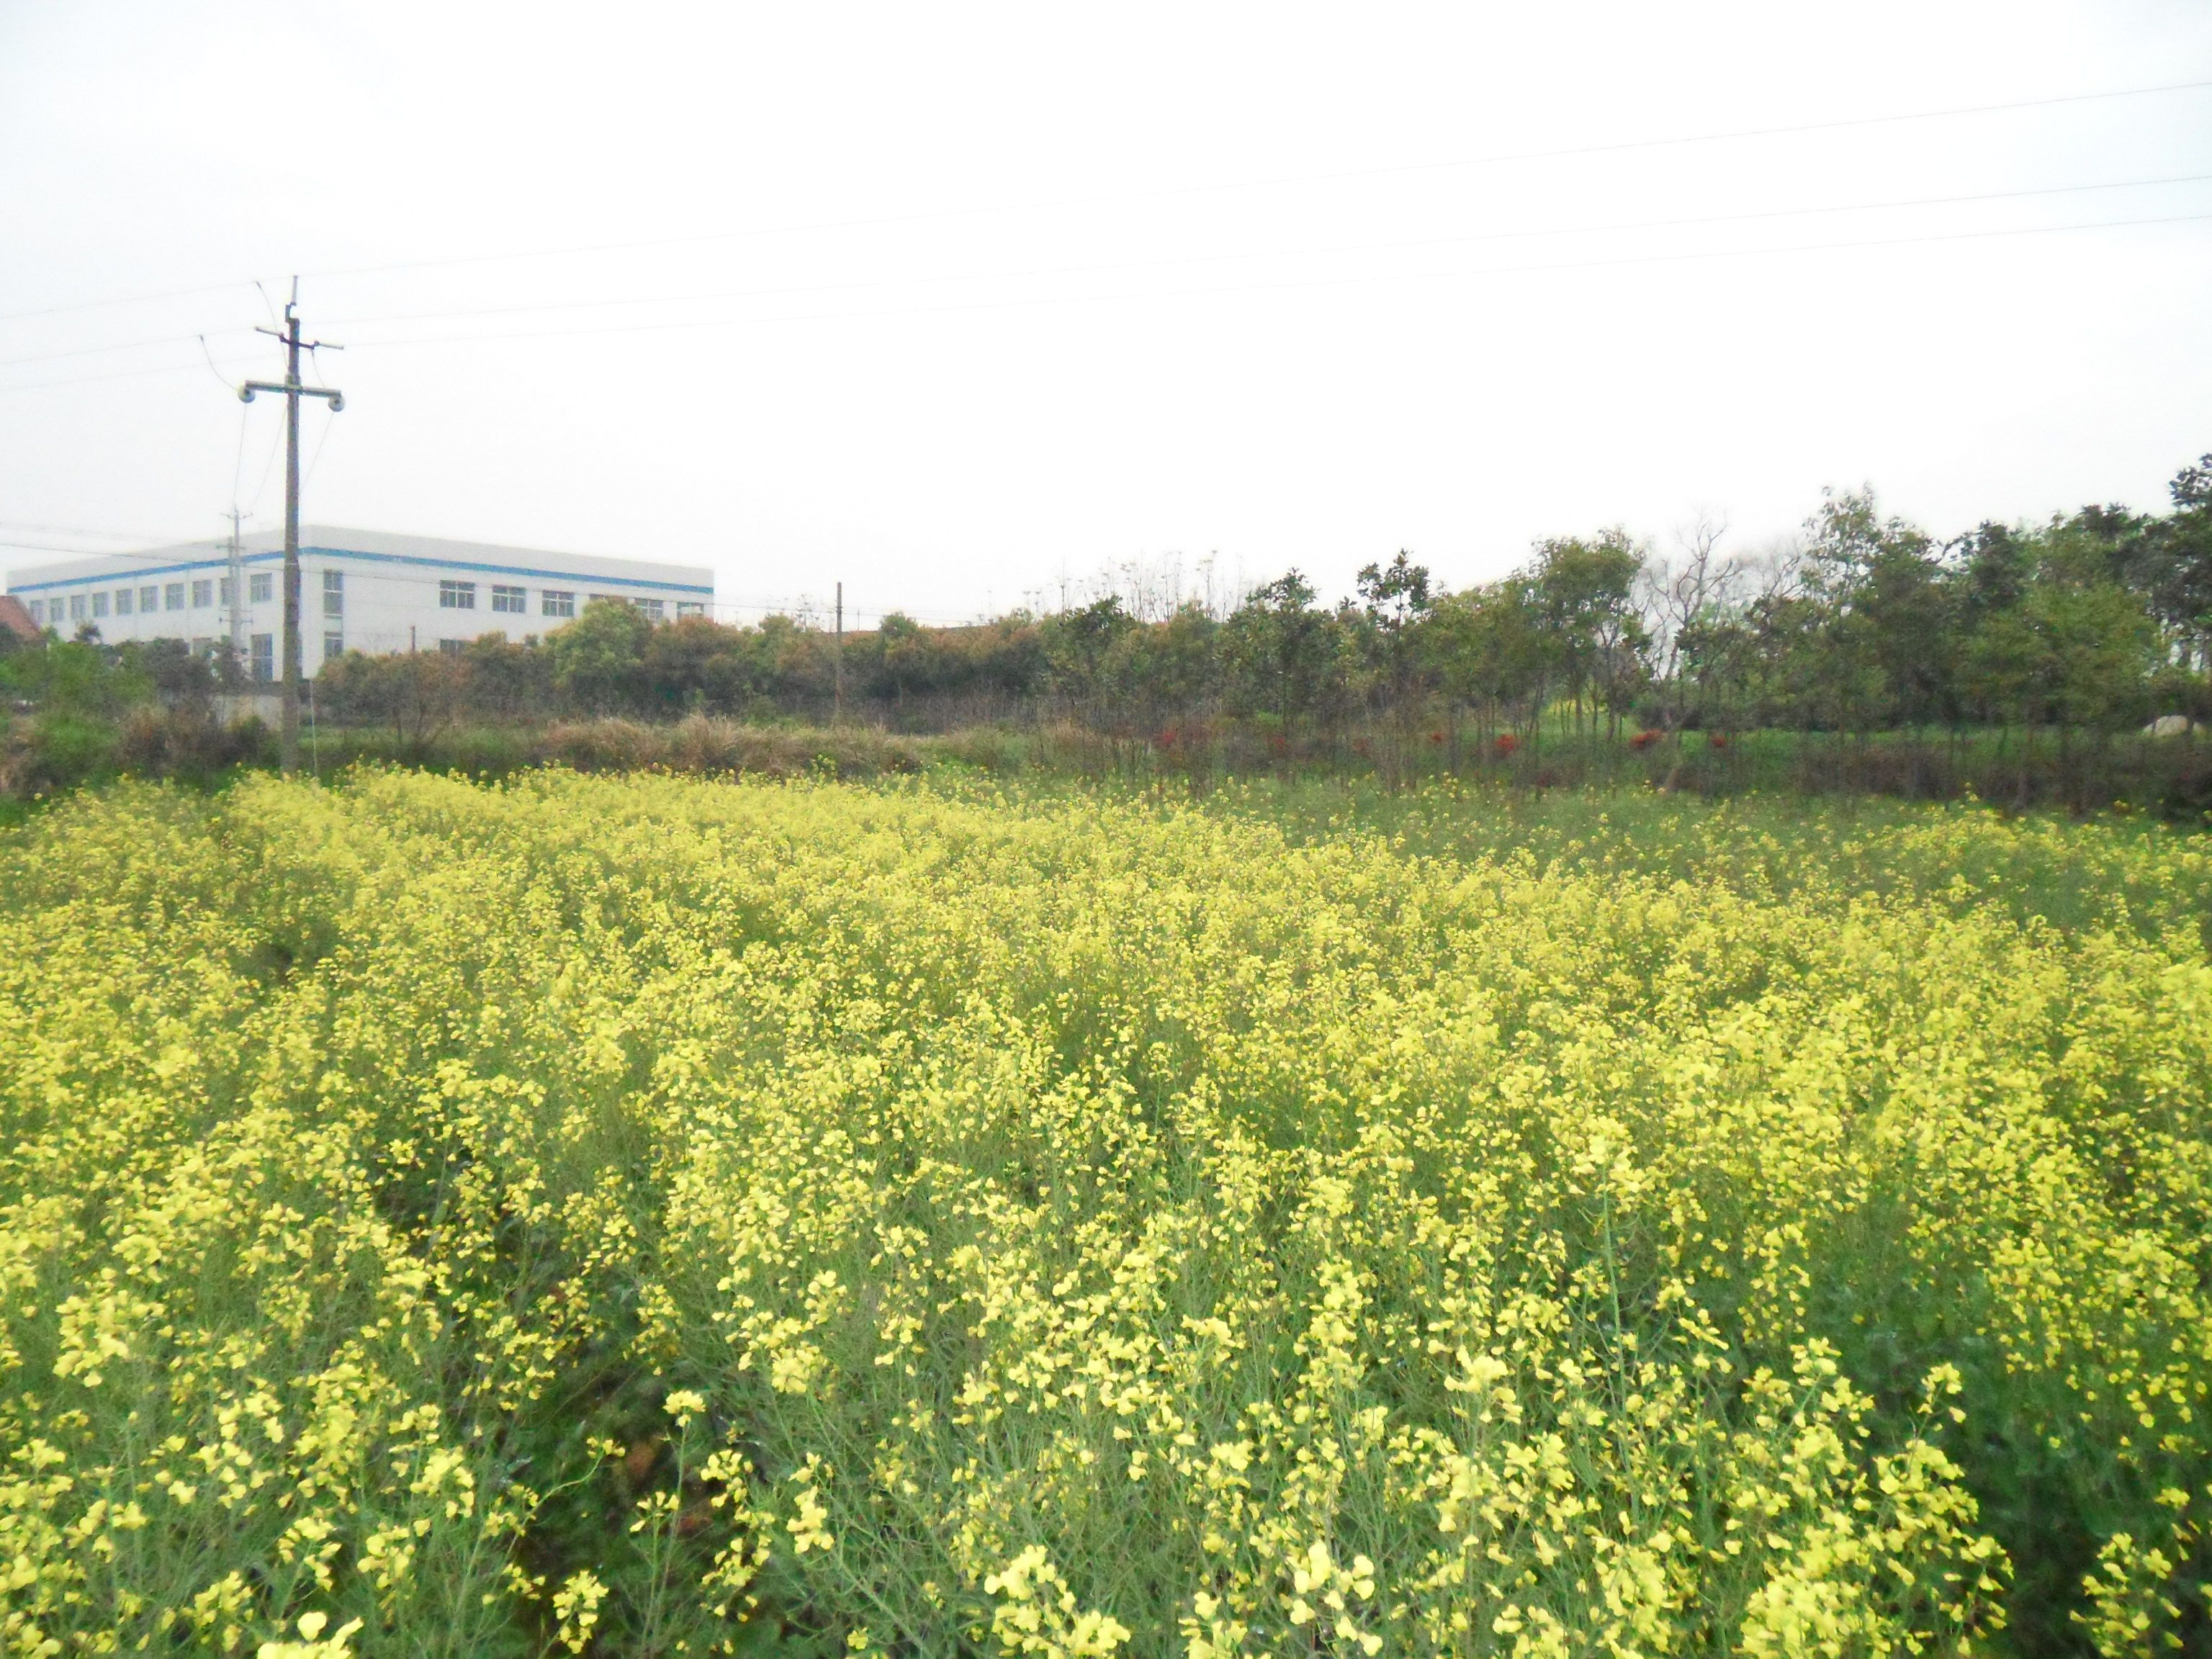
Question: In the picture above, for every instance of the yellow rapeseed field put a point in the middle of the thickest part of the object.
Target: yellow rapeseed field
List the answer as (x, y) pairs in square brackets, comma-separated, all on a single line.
[(644, 1216)]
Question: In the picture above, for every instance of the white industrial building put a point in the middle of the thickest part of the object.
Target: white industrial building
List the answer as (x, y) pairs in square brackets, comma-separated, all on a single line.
[(359, 590)]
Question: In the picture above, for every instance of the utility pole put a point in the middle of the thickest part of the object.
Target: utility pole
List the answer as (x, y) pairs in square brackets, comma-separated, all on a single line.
[(292, 391), (237, 592), (837, 696)]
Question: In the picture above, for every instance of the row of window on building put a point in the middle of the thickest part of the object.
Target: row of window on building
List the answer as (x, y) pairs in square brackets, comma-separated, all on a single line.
[(552, 601), (261, 654), (203, 593), (196, 595)]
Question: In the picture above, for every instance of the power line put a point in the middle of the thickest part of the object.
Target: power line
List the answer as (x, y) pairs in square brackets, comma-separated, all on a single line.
[(268, 466), (238, 463), (1285, 285), (127, 300), (125, 374), (1163, 192), (76, 530), (315, 459), (1288, 284), (1497, 159), (1308, 252), (122, 345)]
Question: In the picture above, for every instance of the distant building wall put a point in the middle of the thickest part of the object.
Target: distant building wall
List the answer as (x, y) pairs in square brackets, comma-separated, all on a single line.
[(359, 591)]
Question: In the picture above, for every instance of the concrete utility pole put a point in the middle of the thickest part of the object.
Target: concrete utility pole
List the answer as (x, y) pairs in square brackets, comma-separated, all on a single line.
[(292, 391), (237, 591), (837, 696)]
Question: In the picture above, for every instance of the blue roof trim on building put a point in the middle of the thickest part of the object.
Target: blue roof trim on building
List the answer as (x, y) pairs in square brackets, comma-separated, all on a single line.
[(506, 569), (126, 578), (114, 577)]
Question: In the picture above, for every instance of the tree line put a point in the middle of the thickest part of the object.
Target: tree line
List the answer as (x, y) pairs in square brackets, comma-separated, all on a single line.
[(2090, 624), (2063, 633)]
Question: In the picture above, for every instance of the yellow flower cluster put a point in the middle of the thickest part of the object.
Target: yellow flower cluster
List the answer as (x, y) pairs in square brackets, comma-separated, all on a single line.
[(622, 1215)]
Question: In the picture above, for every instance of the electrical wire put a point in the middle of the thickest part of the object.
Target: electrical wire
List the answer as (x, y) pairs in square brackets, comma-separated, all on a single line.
[(126, 374), (1699, 221), (1286, 285), (1500, 158), (329, 420), (75, 529), (276, 442), (238, 462), (122, 345), (1309, 251)]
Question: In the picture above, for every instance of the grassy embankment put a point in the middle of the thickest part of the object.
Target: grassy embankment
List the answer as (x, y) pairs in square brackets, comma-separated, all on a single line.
[(2173, 778)]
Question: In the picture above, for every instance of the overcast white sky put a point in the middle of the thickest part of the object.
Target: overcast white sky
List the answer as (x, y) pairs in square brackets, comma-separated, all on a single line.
[(950, 301)]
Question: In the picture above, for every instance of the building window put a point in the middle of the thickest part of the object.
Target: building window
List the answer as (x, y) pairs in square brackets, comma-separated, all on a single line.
[(690, 607), (453, 648), (173, 597), (509, 598), (606, 599), (150, 600), (457, 596), (260, 587), (333, 646), (334, 592), (264, 657), (202, 595), (223, 591), (76, 607), (100, 603), (38, 609), (653, 608), (122, 601), (553, 602)]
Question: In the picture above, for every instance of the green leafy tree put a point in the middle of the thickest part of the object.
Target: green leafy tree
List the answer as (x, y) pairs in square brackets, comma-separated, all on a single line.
[(1584, 590), (1394, 602), (1870, 640), (418, 693), (598, 660), (1488, 647), (1078, 646), (1280, 655), (696, 665), (1168, 668), (78, 676), (505, 680), (2180, 568)]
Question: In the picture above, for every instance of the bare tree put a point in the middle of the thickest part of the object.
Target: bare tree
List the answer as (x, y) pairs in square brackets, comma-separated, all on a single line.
[(1675, 591)]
